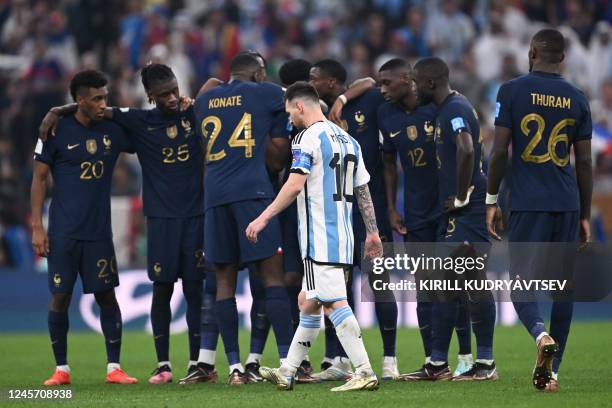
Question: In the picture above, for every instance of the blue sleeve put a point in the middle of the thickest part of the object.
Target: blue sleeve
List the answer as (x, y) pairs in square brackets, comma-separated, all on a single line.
[(585, 126), (129, 118), (45, 151), (280, 120), (503, 107), (125, 143), (458, 121)]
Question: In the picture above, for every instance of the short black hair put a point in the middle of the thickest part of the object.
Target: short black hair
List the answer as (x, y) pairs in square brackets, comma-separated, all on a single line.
[(395, 64), (255, 54), (550, 43), (155, 73), (86, 79), (433, 68), (294, 70), (332, 68), (244, 62), (302, 89)]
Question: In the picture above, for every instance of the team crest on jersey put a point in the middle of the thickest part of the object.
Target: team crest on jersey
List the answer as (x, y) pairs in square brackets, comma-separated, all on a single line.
[(171, 131), (429, 130), (57, 280), (186, 124), (107, 144), (91, 145), (412, 132)]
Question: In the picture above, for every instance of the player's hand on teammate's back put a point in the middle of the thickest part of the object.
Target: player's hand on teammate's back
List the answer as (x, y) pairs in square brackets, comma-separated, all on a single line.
[(185, 103), (585, 233), (48, 125), (255, 227), (397, 222), (494, 221), (335, 114), (372, 247), (40, 241)]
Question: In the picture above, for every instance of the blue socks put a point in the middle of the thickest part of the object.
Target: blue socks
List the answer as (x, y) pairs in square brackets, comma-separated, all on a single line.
[(442, 329), (192, 289), (110, 320), (260, 326), (424, 310), (483, 323), (386, 313), (463, 330), (277, 310), (58, 332), (560, 321), (227, 318), (160, 318), (529, 314)]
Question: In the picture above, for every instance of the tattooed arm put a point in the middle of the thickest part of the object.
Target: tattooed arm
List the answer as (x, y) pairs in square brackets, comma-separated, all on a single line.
[(373, 246)]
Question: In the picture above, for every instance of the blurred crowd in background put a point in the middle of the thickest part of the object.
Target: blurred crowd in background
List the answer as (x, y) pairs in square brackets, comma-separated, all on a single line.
[(44, 42)]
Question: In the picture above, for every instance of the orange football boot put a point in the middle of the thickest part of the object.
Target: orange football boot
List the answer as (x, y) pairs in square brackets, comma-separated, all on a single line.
[(59, 377), (118, 376)]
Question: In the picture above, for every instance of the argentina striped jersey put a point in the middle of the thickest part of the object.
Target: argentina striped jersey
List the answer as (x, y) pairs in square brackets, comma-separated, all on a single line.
[(333, 162)]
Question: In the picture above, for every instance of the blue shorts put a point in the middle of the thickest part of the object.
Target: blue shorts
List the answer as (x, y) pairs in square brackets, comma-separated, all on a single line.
[(175, 248), (536, 226), (359, 231), (427, 233), (292, 257), (465, 225), (543, 261), (94, 260), (225, 233)]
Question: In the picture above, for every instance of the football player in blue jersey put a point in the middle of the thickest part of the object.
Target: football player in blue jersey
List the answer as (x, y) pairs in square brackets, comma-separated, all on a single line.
[(408, 133), (236, 119), (543, 116), (81, 159), (171, 155), (461, 194)]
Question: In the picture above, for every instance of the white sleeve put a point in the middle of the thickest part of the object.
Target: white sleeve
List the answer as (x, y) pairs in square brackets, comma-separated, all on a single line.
[(303, 149), (361, 174)]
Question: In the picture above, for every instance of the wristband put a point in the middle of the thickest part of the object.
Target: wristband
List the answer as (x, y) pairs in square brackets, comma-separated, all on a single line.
[(491, 199), (343, 99), (461, 204)]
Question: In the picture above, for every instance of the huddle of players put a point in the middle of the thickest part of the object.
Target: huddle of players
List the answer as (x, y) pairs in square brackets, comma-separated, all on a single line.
[(434, 131)]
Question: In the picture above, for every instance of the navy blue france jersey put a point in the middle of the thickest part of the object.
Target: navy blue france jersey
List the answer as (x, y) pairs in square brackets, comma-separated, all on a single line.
[(236, 119), (546, 114), (456, 115), (82, 160), (171, 156), (411, 136), (360, 120)]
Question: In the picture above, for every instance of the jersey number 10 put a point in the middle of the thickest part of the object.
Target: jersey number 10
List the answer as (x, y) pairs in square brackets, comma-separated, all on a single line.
[(345, 188)]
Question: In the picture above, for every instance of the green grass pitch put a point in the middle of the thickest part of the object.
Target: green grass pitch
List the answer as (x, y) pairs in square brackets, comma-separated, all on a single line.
[(586, 377)]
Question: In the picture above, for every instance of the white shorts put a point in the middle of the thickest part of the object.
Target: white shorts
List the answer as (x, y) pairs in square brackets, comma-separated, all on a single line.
[(325, 283)]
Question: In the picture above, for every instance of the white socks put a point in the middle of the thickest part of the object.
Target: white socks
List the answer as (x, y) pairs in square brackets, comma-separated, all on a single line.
[(64, 368), (540, 337), (253, 358), (110, 367), (207, 356), (238, 367), (304, 337), (349, 334), (163, 363)]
